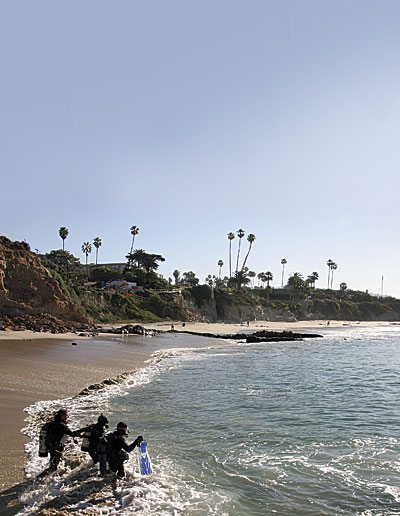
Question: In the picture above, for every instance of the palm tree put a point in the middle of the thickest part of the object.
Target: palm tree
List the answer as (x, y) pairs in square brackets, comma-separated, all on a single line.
[(261, 277), (97, 243), (220, 263), (134, 232), (240, 235), (242, 278), (250, 239), (343, 286), (312, 278), (231, 236), (86, 250), (296, 284), (329, 264), (333, 268), (252, 275), (283, 263), (210, 280), (268, 277), (63, 232)]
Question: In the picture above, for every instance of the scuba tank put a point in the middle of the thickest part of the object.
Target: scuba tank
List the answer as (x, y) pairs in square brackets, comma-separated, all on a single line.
[(43, 450), (103, 459), (86, 440)]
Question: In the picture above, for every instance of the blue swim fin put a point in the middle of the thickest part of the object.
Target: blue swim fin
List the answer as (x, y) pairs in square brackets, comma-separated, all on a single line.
[(144, 459)]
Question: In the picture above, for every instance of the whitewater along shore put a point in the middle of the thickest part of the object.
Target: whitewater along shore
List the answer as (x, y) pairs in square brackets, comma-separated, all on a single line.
[(47, 367), (39, 366)]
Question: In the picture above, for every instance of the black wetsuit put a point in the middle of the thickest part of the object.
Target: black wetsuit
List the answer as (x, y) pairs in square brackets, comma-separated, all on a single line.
[(54, 441), (97, 431), (118, 451)]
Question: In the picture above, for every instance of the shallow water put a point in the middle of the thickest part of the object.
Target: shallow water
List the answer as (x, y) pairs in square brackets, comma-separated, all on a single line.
[(287, 428)]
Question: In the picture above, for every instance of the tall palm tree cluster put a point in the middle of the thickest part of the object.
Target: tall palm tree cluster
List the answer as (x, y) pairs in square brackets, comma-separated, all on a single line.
[(241, 274), (97, 242), (332, 266), (86, 246)]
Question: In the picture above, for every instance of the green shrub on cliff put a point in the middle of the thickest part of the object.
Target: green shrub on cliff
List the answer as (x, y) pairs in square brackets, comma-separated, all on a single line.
[(201, 293), (162, 308)]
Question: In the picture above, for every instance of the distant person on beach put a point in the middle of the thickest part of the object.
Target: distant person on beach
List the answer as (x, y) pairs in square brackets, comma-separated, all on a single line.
[(118, 448), (91, 436), (56, 434), (172, 327)]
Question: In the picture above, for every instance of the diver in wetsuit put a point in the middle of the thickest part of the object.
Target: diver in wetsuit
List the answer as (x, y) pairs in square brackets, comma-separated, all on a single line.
[(118, 448), (57, 431), (94, 433)]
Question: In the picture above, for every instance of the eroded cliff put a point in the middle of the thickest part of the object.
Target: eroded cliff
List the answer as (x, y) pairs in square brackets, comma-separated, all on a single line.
[(27, 288)]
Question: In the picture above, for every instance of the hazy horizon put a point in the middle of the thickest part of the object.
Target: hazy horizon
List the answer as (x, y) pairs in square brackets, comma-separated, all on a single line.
[(192, 120)]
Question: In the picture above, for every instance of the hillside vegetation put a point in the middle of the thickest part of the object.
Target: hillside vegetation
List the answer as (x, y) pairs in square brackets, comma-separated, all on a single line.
[(52, 292)]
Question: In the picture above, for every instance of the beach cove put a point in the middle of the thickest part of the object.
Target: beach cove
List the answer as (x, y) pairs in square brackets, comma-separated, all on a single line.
[(35, 368)]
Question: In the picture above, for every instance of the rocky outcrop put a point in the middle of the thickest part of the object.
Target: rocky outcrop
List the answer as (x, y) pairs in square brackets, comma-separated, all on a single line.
[(258, 336), (130, 329), (27, 288), (274, 336)]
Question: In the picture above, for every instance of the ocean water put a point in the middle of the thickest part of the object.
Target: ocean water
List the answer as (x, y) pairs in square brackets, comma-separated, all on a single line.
[(303, 428)]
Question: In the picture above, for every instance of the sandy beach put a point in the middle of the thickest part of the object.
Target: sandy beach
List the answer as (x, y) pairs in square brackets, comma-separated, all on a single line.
[(220, 328), (36, 366)]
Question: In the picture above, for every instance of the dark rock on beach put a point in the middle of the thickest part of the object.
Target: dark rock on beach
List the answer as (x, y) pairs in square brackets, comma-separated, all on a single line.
[(41, 323), (102, 385), (130, 329)]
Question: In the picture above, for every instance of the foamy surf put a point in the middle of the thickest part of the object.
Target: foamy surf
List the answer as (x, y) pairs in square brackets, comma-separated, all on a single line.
[(77, 487), (290, 428)]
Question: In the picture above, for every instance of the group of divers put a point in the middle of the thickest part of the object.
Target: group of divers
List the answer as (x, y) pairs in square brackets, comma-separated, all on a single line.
[(110, 450)]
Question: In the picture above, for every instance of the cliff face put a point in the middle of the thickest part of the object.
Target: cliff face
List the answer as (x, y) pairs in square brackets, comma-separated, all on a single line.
[(27, 287), (239, 306), (232, 307)]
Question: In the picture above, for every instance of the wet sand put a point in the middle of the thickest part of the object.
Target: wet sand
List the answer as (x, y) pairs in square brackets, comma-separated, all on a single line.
[(44, 369), (38, 367)]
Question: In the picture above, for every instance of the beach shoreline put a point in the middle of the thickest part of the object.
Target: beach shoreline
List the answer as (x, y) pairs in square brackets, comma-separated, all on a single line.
[(37, 366), (35, 369)]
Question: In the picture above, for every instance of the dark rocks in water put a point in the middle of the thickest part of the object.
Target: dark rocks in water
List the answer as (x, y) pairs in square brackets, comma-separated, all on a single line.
[(258, 336), (74, 344), (105, 383), (273, 336)]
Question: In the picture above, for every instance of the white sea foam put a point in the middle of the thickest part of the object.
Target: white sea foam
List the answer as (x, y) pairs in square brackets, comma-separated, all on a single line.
[(287, 472), (77, 487)]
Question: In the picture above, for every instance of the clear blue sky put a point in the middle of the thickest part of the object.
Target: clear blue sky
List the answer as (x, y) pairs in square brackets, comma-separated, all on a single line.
[(192, 119)]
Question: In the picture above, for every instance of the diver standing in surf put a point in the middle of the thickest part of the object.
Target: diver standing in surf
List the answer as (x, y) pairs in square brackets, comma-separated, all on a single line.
[(118, 448), (56, 432)]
